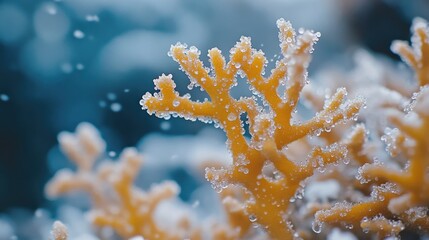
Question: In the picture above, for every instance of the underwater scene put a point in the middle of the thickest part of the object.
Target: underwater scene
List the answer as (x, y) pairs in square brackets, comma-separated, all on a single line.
[(214, 120)]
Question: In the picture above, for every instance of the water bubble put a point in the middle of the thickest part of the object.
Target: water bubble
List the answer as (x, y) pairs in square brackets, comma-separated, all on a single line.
[(102, 104), (80, 66), (116, 107), (112, 154), (66, 68), (346, 160), (318, 132), (78, 34), (191, 86), (232, 117), (137, 238), (316, 227), (4, 97), (243, 170), (51, 9), (38, 213), (176, 103), (252, 218), (195, 204), (165, 126), (92, 18), (111, 96)]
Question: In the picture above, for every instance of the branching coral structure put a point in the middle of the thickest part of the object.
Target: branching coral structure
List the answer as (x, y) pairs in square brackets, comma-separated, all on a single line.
[(377, 169), (416, 55), (261, 166), (399, 198), (117, 203)]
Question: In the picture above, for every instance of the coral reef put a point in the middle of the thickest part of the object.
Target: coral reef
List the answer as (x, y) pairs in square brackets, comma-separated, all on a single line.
[(399, 198), (367, 180)]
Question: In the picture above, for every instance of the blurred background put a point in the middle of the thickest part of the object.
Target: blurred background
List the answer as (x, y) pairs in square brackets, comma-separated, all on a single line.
[(68, 61)]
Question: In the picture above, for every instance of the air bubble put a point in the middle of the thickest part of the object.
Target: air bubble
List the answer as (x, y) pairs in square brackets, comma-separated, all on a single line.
[(66, 68), (51, 9), (111, 96), (80, 66), (4, 97), (116, 107), (195, 204), (252, 218), (78, 34), (316, 227), (232, 117), (165, 126), (92, 18)]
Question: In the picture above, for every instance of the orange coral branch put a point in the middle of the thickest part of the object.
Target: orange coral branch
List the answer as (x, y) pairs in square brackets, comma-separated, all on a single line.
[(271, 129), (117, 202), (417, 56), (411, 183), (382, 226), (353, 214)]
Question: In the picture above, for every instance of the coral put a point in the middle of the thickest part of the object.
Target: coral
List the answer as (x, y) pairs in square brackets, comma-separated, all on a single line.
[(417, 55), (379, 191), (59, 231), (261, 166), (403, 190), (117, 203), (399, 198)]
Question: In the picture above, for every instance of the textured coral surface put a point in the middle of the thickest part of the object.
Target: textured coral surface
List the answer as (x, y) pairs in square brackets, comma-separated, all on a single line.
[(260, 165), (366, 180)]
